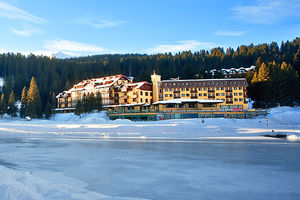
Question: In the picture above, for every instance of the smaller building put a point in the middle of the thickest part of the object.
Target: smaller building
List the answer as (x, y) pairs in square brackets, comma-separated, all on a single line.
[(133, 93)]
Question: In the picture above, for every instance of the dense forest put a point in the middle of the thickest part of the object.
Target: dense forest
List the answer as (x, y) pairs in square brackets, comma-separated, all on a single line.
[(275, 81)]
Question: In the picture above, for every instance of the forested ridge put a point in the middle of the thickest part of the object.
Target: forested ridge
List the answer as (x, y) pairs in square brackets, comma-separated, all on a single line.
[(277, 83)]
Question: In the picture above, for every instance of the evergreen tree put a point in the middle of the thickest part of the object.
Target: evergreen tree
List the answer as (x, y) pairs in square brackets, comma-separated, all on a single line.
[(34, 107), (23, 103), (98, 102), (11, 107), (3, 106), (79, 108), (263, 72), (255, 78), (48, 110)]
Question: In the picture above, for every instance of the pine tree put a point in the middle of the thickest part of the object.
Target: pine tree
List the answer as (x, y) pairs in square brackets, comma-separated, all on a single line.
[(23, 103), (263, 72), (48, 110), (98, 102), (34, 107), (3, 106), (255, 78), (79, 108), (11, 107)]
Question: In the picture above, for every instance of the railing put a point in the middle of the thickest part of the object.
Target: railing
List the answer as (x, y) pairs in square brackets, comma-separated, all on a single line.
[(130, 111)]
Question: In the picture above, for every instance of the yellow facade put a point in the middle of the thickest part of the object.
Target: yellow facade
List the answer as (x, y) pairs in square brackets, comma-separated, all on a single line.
[(232, 91), (133, 93)]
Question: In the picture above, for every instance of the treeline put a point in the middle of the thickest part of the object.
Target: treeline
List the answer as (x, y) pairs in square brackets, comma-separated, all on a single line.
[(56, 75)]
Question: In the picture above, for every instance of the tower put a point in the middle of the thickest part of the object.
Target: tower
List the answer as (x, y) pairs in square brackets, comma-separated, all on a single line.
[(155, 89)]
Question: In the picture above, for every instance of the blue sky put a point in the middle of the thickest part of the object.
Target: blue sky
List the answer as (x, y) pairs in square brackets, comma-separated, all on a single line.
[(91, 27)]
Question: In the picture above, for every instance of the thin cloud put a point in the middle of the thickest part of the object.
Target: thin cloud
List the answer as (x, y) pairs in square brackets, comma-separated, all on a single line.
[(14, 13), (267, 11), (100, 24), (181, 46), (25, 32), (71, 47), (230, 33)]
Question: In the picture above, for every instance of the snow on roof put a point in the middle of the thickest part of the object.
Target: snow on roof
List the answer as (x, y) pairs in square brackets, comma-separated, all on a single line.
[(63, 93), (101, 82), (178, 101), (137, 85), (224, 79)]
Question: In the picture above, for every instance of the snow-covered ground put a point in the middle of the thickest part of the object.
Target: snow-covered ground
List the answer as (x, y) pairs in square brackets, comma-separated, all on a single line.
[(92, 157), (280, 120)]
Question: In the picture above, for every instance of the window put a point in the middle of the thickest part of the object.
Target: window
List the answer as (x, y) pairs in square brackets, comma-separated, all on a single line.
[(183, 95), (182, 89), (240, 88), (200, 95), (218, 94), (204, 89), (171, 95), (241, 99), (222, 94), (187, 95), (141, 100), (235, 94), (217, 88), (141, 93), (146, 100), (146, 93), (170, 89), (187, 89), (166, 95), (200, 89), (205, 94), (241, 94), (166, 90), (235, 99), (235, 88), (222, 88)]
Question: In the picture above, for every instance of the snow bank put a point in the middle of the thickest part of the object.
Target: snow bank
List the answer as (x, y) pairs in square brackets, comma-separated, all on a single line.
[(100, 117), (285, 115), (18, 185)]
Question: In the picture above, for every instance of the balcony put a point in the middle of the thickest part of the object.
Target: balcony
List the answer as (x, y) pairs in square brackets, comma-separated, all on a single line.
[(229, 96)]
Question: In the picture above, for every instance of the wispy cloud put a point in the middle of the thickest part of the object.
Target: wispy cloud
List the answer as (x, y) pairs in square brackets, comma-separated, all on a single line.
[(100, 23), (25, 32), (14, 13), (181, 46), (72, 47), (267, 11), (230, 33)]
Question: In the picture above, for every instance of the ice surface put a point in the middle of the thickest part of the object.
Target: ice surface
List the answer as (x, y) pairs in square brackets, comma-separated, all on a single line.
[(92, 157)]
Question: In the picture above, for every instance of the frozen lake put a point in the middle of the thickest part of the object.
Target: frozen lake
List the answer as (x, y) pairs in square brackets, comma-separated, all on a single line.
[(151, 168)]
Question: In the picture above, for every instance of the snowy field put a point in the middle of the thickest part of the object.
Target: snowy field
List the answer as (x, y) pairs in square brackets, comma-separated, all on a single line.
[(92, 157)]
